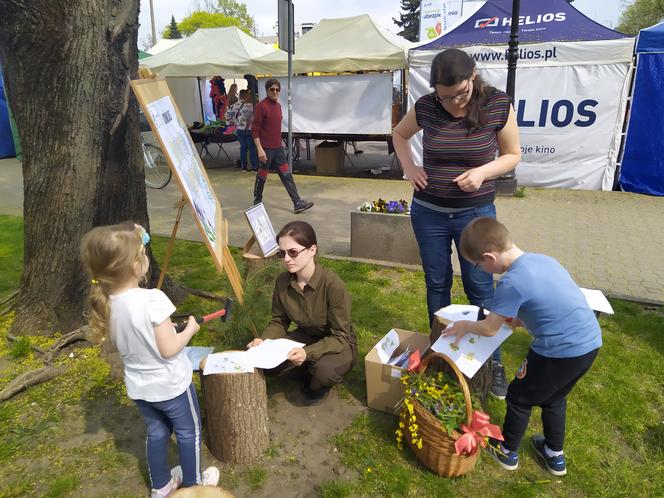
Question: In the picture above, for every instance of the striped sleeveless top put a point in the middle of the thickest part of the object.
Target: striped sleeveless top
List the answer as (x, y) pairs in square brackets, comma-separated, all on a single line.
[(450, 150)]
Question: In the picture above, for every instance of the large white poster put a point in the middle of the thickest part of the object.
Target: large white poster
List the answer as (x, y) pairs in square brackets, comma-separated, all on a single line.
[(356, 103), (569, 115)]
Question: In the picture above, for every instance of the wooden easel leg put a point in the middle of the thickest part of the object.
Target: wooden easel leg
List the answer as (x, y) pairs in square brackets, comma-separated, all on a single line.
[(171, 242)]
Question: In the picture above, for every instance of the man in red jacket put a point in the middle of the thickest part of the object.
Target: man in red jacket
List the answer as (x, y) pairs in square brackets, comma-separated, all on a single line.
[(266, 132)]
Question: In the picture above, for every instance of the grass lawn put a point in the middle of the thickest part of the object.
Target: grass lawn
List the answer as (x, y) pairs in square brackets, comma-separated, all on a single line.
[(615, 426)]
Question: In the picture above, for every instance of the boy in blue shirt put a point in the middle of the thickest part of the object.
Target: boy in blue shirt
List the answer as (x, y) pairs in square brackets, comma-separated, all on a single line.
[(538, 293)]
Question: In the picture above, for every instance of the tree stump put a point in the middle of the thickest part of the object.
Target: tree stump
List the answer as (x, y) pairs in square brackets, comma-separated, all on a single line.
[(235, 415), (254, 261), (480, 384)]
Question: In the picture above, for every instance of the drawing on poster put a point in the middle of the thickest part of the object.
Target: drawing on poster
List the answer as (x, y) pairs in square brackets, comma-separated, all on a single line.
[(262, 229), (184, 157)]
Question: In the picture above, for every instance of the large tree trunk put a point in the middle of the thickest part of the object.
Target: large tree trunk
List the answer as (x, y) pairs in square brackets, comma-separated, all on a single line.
[(67, 66), (235, 415)]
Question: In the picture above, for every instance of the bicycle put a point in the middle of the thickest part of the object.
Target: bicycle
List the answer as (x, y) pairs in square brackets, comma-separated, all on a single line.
[(157, 172)]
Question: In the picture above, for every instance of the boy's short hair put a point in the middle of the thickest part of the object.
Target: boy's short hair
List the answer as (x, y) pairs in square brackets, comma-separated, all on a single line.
[(484, 235)]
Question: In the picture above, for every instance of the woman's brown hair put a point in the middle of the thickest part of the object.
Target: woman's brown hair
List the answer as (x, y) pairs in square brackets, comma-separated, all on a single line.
[(301, 232), (451, 67)]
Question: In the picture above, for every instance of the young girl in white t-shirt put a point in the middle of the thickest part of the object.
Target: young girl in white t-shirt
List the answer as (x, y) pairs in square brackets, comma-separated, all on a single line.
[(158, 373)]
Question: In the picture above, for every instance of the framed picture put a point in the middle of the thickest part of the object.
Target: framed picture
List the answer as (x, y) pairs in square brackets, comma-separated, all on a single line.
[(262, 228)]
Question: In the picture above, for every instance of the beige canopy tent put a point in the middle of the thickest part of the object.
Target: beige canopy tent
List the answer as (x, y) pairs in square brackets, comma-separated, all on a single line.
[(347, 44), (209, 52)]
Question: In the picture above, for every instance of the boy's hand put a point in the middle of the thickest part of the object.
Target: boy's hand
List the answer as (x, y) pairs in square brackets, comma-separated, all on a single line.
[(515, 322), (457, 329)]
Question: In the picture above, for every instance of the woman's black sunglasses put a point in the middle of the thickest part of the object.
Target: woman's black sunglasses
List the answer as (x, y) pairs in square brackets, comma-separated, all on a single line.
[(292, 253)]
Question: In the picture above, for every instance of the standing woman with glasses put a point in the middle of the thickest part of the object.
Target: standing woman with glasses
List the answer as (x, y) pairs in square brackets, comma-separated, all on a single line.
[(315, 299), (470, 137)]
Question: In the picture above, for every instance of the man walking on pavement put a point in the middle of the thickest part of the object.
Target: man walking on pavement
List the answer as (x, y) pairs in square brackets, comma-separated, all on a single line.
[(266, 132)]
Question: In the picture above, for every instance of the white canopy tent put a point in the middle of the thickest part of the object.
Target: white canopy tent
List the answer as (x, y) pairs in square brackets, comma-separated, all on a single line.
[(347, 44), (226, 52), (164, 44), (334, 103)]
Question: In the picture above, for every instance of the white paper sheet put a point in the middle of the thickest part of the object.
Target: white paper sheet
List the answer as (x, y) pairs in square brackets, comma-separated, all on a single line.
[(227, 362), (597, 300), (473, 350), (456, 312), (387, 345), (270, 353)]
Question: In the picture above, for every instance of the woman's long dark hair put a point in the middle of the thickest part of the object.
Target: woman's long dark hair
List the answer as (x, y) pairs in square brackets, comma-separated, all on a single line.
[(451, 67)]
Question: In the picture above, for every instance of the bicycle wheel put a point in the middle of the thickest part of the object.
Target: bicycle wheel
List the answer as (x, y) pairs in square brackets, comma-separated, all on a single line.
[(157, 172)]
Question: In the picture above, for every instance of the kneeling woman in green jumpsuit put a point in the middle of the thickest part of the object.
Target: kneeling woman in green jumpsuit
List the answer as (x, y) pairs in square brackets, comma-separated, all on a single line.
[(315, 299)]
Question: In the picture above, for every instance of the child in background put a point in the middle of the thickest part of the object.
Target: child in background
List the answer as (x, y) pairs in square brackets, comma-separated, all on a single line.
[(539, 294), (158, 373)]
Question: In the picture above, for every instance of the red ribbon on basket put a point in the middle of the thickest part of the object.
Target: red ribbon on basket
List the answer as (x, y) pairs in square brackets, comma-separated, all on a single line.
[(474, 436)]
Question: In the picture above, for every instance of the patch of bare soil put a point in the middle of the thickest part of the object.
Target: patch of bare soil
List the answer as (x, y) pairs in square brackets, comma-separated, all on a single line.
[(302, 454), (105, 440)]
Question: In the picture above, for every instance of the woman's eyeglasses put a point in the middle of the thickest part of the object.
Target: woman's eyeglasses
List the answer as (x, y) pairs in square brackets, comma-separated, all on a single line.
[(454, 98), (292, 253), (274, 89)]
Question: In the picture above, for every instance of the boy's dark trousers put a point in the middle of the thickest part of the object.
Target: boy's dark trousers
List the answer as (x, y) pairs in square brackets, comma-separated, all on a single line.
[(543, 382)]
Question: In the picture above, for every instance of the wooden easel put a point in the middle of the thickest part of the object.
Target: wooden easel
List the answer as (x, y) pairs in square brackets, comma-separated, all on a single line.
[(170, 130)]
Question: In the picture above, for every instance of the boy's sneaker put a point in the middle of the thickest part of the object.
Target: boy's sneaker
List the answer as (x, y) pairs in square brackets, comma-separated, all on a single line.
[(498, 383), (508, 460), (302, 205), (555, 464), (176, 475), (210, 476)]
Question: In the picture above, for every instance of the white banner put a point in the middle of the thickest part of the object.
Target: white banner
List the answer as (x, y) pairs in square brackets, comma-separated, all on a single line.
[(438, 16), (352, 104), (569, 117)]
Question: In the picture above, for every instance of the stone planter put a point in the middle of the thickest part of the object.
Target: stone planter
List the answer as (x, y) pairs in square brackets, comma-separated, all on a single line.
[(383, 237)]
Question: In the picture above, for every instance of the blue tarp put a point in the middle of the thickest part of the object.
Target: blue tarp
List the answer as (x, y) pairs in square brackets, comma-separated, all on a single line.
[(6, 137), (490, 25), (651, 40), (642, 168)]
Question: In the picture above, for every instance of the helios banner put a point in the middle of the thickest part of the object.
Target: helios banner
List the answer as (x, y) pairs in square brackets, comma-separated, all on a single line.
[(569, 111)]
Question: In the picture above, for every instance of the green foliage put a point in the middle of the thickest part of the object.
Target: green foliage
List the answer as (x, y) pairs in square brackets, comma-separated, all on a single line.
[(11, 253), (255, 477), (238, 10), (640, 14), (20, 348), (409, 20), (172, 32), (62, 485), (201, 19), (520, 193)]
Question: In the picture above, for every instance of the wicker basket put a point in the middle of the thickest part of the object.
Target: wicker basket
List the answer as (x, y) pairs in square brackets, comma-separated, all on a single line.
[(438, 452)]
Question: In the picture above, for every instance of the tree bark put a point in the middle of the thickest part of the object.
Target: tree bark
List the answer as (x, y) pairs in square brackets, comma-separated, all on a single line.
[(67, 66), (236, 416)]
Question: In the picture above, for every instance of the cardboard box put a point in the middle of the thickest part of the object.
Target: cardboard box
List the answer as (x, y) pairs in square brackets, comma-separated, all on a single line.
[(330, 158), (384, 388)]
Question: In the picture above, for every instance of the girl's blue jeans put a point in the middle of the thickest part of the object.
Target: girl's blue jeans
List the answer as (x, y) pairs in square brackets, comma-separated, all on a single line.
[(435, 231), (182, 415)]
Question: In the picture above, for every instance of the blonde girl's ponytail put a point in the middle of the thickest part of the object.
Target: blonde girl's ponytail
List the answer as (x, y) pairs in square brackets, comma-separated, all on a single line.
[(108, 253)]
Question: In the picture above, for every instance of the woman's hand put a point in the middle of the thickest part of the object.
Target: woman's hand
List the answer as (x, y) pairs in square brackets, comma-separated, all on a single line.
[(417, 177), (471, 180), (297, 356), (254, 343)]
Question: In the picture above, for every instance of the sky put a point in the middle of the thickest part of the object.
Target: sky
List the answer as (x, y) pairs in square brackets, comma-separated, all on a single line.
[(264, 12)]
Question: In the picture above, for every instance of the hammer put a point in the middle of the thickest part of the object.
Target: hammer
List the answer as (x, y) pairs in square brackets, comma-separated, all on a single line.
[(224, 314)]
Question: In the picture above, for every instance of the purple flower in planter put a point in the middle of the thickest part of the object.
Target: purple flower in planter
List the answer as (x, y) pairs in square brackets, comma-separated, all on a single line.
[(394, 207)]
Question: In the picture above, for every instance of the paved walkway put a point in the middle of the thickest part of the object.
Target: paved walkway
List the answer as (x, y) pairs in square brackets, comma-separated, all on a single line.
[(611, 241)]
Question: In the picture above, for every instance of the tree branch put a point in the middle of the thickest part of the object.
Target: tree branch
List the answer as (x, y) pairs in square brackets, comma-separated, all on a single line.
[(28, 379), (202, 293)]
